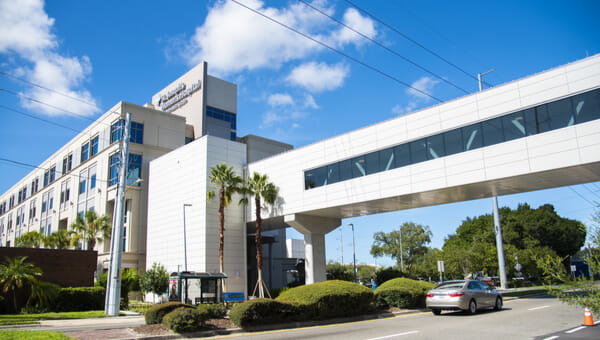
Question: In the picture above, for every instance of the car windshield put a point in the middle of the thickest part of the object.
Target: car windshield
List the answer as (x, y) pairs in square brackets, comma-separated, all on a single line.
[(451, 285)]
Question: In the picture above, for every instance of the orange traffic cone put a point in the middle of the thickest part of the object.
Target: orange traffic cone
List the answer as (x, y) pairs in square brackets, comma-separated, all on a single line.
[(587, 318)]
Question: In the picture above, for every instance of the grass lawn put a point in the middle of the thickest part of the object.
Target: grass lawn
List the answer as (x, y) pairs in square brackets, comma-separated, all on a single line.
[(525, 292), (19, 319), (32, 335)]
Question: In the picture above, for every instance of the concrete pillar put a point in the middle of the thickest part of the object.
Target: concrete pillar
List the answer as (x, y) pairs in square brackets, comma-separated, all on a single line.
[(314, 229)]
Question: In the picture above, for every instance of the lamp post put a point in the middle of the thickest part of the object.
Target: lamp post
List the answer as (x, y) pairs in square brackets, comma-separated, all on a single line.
[(401, 252), (497, 225), (185, 238), (353, 252)]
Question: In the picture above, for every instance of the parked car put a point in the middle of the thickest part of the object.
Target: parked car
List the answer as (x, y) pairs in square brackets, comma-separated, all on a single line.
[(467, 295)]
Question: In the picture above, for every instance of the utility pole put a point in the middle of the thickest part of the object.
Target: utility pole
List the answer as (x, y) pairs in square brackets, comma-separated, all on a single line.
[(113, 291), (353, 252), (401, 252), (342, 245), (497, 226)]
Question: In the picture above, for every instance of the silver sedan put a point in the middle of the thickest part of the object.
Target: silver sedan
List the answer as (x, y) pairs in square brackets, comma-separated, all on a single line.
[(467, 295)]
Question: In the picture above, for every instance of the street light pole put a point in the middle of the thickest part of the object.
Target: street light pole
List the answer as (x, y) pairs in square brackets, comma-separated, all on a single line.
[(497, 225), (185, 238), (353, 252), (342, 245), (401, 252)]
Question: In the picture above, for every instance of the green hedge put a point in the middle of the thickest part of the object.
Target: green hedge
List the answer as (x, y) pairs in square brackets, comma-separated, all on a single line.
[(260, 312), (330, 299), (155, 314), (213, 310), (403, 293), (184, 319), (77, 299)]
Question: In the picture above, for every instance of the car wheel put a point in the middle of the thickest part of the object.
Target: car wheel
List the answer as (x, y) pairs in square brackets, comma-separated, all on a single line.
[(472, 307), (498, 305), (436, 311)]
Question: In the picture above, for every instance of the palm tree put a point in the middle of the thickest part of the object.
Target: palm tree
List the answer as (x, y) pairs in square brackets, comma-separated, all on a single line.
[(15, 273), (32, 239), (60, 239), (228, 183), (91, 229), (259, 186)]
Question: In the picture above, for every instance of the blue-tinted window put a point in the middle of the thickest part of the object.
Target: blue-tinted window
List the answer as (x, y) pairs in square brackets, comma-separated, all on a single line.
[(345, 170), (435, 147), (85, 152), (333, 173), (137, 133), (587, 106), (539, 119), (116, 131), (82, 186), (472, 137), (94, 146), (514, 126), (93, 181), (134, 169), (372, 160), (225, 116), (418, 150), (386, 159), (359, 167), (113, 175), (453, 141), (492, 131), (401, 155)]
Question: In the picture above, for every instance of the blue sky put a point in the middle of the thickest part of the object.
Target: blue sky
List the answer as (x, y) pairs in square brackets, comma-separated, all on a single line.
[(290, 88)]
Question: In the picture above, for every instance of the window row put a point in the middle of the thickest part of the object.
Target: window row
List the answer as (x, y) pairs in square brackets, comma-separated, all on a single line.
[(134, 168), (225, 116), (547, 117), (136, 132)]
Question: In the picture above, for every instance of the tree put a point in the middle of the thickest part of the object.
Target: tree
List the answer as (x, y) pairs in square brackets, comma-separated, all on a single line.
[(16, 273), (339, 271), (60, 239), (32, 239), (527, 233), (261, 189), (155, 280), (91, 229), (228, 183), (414, 239)]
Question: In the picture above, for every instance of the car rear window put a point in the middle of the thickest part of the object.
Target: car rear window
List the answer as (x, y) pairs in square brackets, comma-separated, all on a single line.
[(452, 285)]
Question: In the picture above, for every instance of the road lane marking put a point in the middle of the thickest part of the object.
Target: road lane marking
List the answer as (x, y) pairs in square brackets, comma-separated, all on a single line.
[(575, 329), (536, 308), (394, 335), (552, 337)]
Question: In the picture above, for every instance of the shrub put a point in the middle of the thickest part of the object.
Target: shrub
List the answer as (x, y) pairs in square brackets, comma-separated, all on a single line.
[(262, 312), (403, 293), (77, 299), (184, 319), (155, 314), (214, 311), (331, 299)]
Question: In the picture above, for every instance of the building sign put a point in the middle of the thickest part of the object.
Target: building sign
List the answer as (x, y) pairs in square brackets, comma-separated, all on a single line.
[(177, 97)]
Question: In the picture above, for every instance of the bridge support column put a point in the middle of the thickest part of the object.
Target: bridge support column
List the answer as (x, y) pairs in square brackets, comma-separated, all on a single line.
[(314, 229)]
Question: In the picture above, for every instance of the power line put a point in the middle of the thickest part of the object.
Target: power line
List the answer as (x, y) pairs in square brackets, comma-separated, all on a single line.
[(51, 90), (582, 197), (414, 41), (38, 118), (338, 51), (385, 47), (593, 193)]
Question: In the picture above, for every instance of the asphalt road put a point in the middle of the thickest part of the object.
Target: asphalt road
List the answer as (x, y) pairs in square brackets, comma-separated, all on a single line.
[(532, 318)]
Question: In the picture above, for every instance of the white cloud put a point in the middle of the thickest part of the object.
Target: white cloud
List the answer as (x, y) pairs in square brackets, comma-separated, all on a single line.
[(318, 77), (353, 19), (280, 99), (26, 34), (233, 38), (416, 95), (310, 102)]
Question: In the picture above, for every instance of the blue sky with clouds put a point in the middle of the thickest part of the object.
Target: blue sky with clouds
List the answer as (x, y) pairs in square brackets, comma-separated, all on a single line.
[(290, 88)]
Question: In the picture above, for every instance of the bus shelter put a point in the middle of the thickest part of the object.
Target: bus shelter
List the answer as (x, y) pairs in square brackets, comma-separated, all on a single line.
[(196, 287)]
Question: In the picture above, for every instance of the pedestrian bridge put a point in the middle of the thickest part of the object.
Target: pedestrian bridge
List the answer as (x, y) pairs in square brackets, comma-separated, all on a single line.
[(538, 132)]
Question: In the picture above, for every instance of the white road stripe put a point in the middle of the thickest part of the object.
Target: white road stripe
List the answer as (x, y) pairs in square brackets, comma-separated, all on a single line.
[(394, 335), (575, 329), (552, 337), (536, 308)]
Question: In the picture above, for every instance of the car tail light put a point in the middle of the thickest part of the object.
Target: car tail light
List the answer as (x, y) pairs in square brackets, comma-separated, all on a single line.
[(430, 295), (456, 294)]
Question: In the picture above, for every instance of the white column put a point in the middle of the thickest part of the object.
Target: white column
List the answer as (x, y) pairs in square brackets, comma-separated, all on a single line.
[(314, 229)]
